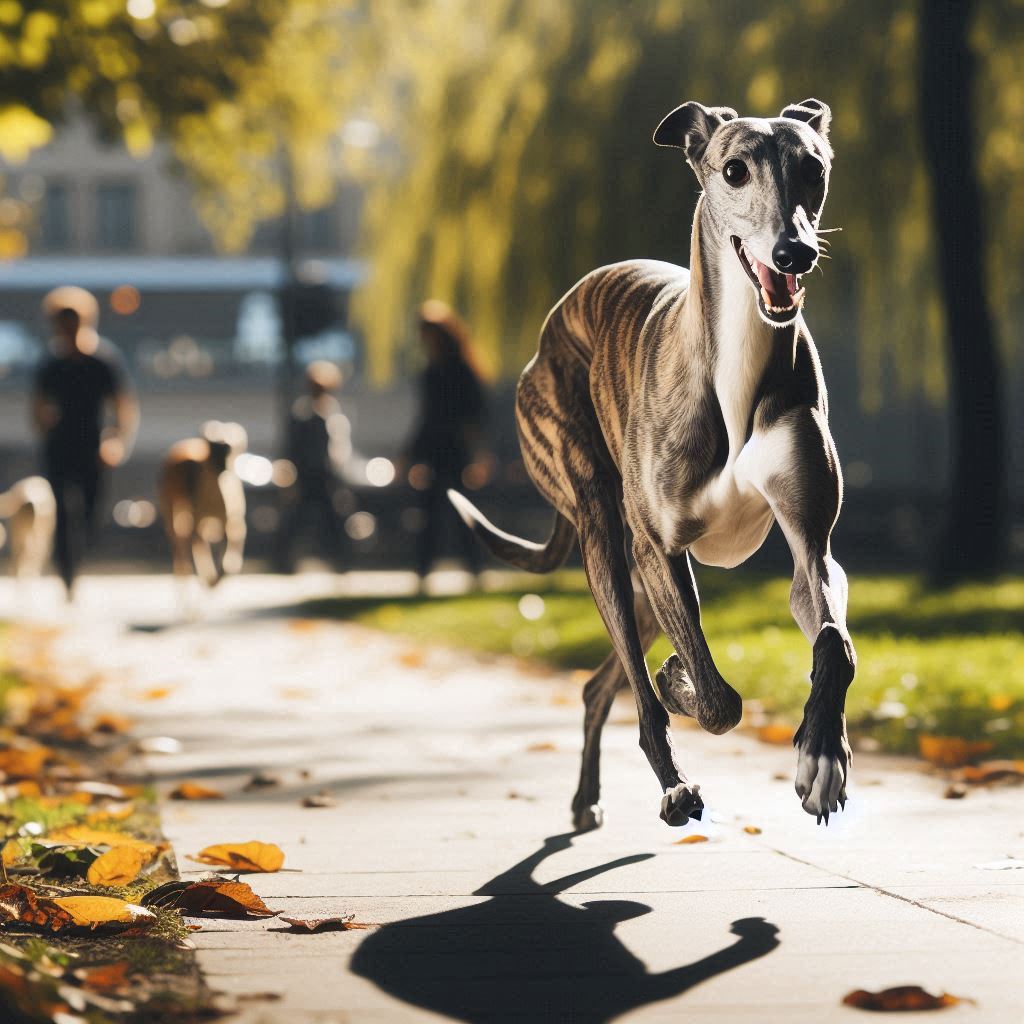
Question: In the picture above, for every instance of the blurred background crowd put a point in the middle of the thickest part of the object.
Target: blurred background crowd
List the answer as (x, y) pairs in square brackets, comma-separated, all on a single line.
[(261, 195)]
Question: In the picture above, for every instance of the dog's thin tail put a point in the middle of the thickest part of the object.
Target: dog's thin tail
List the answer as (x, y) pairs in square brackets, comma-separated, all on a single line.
[(523, 554)]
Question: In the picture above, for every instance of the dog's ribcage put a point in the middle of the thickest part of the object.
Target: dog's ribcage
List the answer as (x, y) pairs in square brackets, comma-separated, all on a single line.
[(674, 418)]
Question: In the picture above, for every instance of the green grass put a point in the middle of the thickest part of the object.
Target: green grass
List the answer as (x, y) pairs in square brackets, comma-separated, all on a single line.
[(947, 662)]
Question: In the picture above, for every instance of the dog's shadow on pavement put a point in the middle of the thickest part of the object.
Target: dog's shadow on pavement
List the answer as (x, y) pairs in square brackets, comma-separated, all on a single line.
[(527, 955)]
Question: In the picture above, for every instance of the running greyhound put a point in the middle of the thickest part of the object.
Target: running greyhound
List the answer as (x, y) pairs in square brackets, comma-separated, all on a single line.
[(689, 406)]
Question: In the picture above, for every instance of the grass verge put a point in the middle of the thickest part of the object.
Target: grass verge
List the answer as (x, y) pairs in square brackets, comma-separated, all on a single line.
[(942, 663)]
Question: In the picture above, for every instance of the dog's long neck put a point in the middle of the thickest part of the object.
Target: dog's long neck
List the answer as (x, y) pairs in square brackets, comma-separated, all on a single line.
[(735, 343)]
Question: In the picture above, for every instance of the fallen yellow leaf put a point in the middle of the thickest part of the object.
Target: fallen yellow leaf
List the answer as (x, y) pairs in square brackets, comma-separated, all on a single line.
[(85, 836), (113, 811), (156, 693), (252, 856), (195, 791), (24, 763), (950, 751), (751, 830), (118, 866), (776, 733), (90, 911), (688, 840)]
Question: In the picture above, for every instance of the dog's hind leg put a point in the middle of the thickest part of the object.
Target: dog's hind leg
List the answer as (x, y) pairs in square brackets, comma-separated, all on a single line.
[(688, 682), (598, 694), (602, 540)]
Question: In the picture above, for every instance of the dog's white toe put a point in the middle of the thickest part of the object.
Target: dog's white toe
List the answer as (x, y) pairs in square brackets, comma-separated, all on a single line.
[(821, 784)]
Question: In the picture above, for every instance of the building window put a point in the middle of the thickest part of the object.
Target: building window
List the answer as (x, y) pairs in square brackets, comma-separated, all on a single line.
[(116, 216), (55, 217)]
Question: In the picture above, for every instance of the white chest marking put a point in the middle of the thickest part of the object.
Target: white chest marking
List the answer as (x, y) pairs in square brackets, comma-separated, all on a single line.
[(735, 513)]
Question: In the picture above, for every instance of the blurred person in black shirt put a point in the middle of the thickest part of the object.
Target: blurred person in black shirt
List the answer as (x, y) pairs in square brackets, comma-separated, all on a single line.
[(77, 389), (319, 446), (447, 444)]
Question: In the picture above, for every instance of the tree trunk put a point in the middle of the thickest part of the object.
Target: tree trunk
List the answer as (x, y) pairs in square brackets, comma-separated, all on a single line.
[(973, 543)]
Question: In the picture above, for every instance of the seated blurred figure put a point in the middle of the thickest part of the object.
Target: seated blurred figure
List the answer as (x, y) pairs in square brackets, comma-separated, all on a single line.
[(30, 511), (319, 445), (202, 502)]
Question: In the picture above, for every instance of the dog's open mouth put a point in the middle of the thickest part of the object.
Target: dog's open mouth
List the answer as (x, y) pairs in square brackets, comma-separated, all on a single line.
[(779, 296)]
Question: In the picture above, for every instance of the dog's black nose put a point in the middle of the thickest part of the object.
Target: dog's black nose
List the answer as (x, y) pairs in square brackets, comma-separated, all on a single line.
[(794, 257)]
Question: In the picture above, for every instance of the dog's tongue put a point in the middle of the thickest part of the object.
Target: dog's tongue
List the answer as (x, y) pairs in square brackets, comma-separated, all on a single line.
[(781, 287)]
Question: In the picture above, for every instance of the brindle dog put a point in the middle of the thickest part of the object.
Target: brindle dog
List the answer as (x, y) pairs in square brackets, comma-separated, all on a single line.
[(690, 407)]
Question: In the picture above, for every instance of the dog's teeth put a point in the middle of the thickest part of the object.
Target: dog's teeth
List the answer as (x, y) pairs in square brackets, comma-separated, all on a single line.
[(765, 297)]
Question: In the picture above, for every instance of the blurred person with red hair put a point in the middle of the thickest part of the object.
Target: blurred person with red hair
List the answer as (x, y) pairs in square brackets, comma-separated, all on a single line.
[(79, 388), (447, 444)]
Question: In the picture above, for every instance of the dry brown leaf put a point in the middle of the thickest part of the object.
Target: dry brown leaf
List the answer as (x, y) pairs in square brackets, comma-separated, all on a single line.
[(412, 658), (751, 830), (689, 840), (992, 771), (188, 790), (261, 780), (20, 905), (951, 751), (321, 799), (902, 999), (111, 723), (91, 911), (118, 866), (303, 625), (540, 748), (219, 896), (106, 977), (777, 733), (251, 856), (343, 923)]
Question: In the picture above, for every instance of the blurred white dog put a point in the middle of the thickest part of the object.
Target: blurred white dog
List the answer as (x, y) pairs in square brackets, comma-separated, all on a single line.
[(202, 502), (31, 513)]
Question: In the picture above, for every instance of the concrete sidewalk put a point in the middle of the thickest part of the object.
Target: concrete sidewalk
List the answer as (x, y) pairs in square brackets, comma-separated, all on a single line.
[(452, 777)]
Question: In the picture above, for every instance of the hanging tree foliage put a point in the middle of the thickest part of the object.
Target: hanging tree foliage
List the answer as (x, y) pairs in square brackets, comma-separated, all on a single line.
[(526, 129)]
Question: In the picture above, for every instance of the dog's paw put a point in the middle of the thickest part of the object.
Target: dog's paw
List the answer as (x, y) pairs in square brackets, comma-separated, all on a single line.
[(586, 819), (821, 782), (232, 563), (681, 803)]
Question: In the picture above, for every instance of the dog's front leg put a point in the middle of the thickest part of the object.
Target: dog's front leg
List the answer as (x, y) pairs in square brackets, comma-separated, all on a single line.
[(602, 542), (801, 480)]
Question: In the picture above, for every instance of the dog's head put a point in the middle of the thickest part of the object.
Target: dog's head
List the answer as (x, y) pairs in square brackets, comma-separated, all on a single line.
[(765, 181), (226, 441)]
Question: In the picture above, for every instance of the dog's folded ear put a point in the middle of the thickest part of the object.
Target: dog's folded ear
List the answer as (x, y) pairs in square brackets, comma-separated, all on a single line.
[(690, 128), (815, 113)]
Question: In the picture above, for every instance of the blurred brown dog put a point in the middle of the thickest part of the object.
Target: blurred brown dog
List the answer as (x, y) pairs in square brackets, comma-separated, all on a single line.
[(202, 502), (31, 513)]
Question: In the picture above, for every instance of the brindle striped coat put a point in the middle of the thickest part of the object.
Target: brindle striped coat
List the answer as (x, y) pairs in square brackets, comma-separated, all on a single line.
[(668, 402)]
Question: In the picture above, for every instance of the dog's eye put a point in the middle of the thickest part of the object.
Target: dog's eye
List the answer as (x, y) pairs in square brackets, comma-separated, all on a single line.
[(812, 170), (735, 172)]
